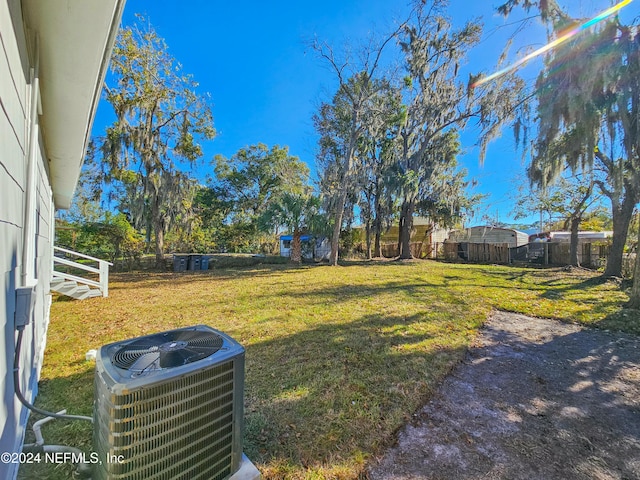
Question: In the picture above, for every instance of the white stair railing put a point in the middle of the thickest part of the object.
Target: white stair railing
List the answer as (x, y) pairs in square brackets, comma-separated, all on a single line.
[(102, 270)]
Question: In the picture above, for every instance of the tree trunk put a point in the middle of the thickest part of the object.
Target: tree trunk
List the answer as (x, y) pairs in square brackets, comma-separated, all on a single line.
[(337, 227), (368, 239), (296, 247), (342, 200), (622, 215), (335, 240), (160, 249), (377, 250), (377, 228), (634, 298), (573, 247), (148, 235), (377, 221), (406, 225), (400, 227), (158, 227)]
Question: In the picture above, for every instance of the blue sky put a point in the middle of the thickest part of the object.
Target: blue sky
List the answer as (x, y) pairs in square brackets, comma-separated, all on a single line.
[(266, 83)]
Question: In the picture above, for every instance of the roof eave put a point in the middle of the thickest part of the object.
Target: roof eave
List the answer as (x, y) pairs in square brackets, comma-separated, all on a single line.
[(75, 41)]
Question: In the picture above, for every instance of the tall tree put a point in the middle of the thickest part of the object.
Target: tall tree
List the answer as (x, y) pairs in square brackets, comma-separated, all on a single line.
[(254, 178), (341, 125), (376, 150), (342, 122), (438, 102), (212, 210), (159, 121), (588, 111)]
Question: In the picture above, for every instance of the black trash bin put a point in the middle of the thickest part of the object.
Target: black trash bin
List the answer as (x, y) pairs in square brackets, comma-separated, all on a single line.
[(180, 263), (204, 263), (194, 262)]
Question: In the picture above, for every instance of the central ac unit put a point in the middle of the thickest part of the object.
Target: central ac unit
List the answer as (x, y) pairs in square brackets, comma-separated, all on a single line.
[(169, 406)]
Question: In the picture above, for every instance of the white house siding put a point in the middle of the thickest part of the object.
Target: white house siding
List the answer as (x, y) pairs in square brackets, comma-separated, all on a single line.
[(15, 93), (43, 262)]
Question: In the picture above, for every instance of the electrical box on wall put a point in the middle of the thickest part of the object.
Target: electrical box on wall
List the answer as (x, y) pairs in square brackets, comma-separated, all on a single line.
[(25, 301)]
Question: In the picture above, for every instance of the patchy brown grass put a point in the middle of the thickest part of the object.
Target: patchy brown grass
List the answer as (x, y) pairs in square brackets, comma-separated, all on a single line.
[(337, 358)]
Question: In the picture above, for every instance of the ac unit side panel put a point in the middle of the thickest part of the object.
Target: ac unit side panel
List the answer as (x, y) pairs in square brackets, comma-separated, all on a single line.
[(238, 406), (165, 434), (168, 426)]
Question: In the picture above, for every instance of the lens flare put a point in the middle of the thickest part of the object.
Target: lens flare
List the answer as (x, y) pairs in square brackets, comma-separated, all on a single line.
[(601, 16)]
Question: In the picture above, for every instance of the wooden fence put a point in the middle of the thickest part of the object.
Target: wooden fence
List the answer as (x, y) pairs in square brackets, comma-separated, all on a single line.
[(589, 255), (418, 250), (489, 252), (478, 252), (452, 251)]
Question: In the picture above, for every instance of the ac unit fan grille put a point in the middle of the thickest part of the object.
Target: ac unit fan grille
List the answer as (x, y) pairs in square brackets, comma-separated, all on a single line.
[(168, 349)]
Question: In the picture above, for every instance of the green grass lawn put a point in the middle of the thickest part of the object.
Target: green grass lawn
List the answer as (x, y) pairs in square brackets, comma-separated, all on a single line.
[(337, 358)]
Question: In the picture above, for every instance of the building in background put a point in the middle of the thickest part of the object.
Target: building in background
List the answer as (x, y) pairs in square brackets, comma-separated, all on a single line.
[(490, 235), (313, 247)]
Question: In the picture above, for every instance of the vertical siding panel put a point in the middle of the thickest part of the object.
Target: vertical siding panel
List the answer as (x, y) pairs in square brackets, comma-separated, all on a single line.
[(12, 125), (13, 86), (13, 144)]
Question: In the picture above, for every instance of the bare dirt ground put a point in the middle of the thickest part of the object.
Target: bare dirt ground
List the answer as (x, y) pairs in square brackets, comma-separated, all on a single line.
[(534, 399)]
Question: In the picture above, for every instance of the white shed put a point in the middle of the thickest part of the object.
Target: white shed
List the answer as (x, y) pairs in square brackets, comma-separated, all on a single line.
[(583, 237), (488, 234), (52, 66), (313, 248)]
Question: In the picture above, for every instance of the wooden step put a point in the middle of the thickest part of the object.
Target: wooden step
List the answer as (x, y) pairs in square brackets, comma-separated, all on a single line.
[(72, 289), (91, 293), (66, 287)]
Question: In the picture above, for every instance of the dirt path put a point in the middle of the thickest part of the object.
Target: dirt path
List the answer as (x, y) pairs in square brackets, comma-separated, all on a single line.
[(534, 399)]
